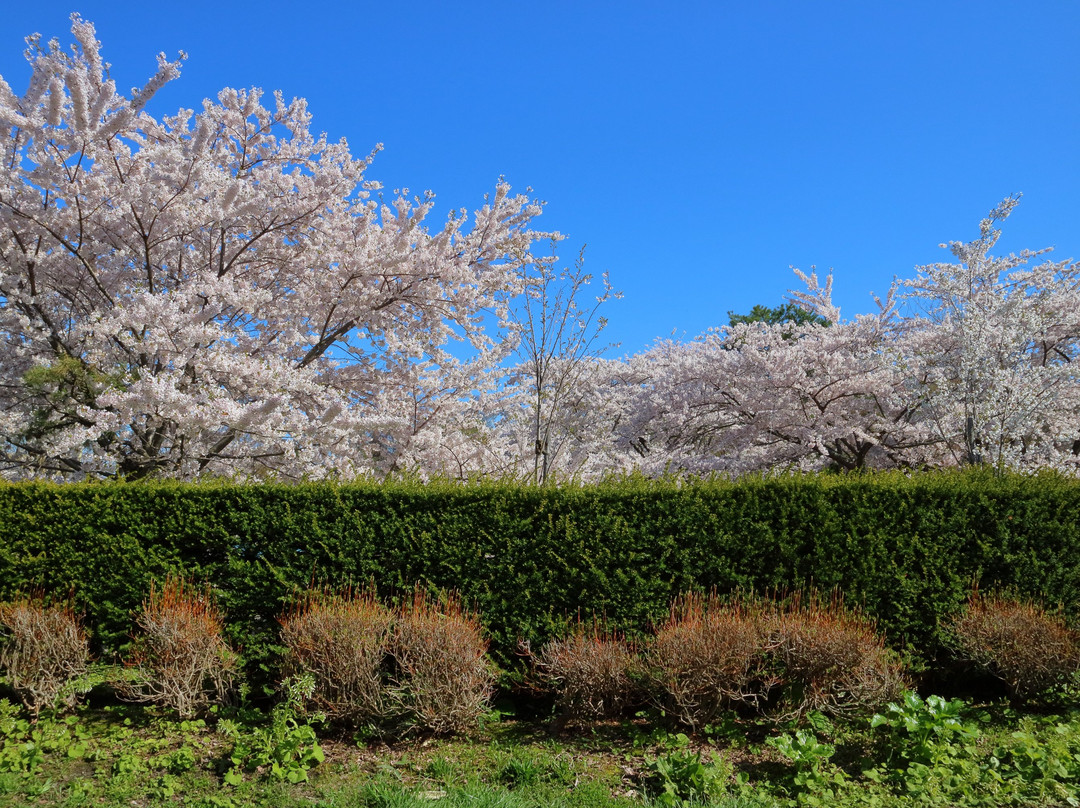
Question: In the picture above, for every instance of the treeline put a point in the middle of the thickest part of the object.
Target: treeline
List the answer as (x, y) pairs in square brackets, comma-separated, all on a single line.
[(201, 299)]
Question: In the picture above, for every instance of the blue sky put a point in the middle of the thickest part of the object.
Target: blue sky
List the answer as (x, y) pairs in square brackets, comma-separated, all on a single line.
[(699, 149)]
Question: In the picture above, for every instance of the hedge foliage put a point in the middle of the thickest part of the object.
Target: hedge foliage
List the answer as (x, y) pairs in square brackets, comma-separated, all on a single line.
[(906, 548)]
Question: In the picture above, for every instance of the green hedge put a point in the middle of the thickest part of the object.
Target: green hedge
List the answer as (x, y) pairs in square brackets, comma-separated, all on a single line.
[(905, 547)]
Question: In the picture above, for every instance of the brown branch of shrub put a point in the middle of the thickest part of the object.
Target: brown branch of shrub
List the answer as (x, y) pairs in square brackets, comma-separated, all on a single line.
[(593, 671), (1029, 649), (711, 655), (45, 649), (831, 657), (180, 659), (342, 639), (445, 680)]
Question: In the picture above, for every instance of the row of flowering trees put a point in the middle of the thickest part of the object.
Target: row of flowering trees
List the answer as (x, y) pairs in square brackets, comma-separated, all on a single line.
[(967, 363), (223, 292)]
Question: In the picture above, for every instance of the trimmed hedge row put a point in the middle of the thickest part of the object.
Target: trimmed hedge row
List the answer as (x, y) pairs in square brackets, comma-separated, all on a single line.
[(906, 548)]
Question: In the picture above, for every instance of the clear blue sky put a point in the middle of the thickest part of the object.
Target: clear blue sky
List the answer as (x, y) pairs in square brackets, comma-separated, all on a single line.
[(698, 148)]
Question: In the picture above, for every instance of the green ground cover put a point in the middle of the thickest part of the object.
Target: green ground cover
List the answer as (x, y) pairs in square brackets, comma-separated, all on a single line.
[(916, 751)]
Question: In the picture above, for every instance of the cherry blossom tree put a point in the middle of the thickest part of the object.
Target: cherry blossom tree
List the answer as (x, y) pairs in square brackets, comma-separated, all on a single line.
[(756, 395), (224, 292), (220, 292), (551, 390), (995, 345), (972, 364)]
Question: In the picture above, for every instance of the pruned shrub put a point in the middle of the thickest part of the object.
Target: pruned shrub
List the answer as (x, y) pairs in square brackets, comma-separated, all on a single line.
[(45, 648), (709, 656), (445, 679), (179, 658), (831, 657), (776, 529), (1021, 643), (342, 640), (593, 671)]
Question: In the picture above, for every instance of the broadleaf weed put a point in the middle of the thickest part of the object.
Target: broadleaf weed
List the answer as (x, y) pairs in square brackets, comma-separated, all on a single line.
[(286, 749)]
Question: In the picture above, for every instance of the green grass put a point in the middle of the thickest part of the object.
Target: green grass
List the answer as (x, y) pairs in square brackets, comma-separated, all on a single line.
[(922, 752)]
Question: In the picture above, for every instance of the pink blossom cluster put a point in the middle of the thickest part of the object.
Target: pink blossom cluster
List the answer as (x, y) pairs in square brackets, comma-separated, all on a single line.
[(967, 363), (223, 292), (219, 292)]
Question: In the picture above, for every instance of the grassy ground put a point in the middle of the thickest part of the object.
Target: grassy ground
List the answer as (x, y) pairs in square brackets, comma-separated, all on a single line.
[(124, 756), (924, 752)]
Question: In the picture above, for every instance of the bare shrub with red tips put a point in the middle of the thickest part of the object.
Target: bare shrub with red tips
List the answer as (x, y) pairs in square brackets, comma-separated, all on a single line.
[(709, 656), (831, 657), (592, 670), (1029, 649), (44, 650), (342, 640), (446, 681), (180, 659)]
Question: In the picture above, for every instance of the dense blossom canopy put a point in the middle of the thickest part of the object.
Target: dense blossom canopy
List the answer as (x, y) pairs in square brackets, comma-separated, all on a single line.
[(968, 362), (217, 292), (223, 292)]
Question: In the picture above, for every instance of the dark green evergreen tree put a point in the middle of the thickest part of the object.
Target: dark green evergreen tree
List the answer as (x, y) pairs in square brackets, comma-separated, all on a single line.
[(784, 313)]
